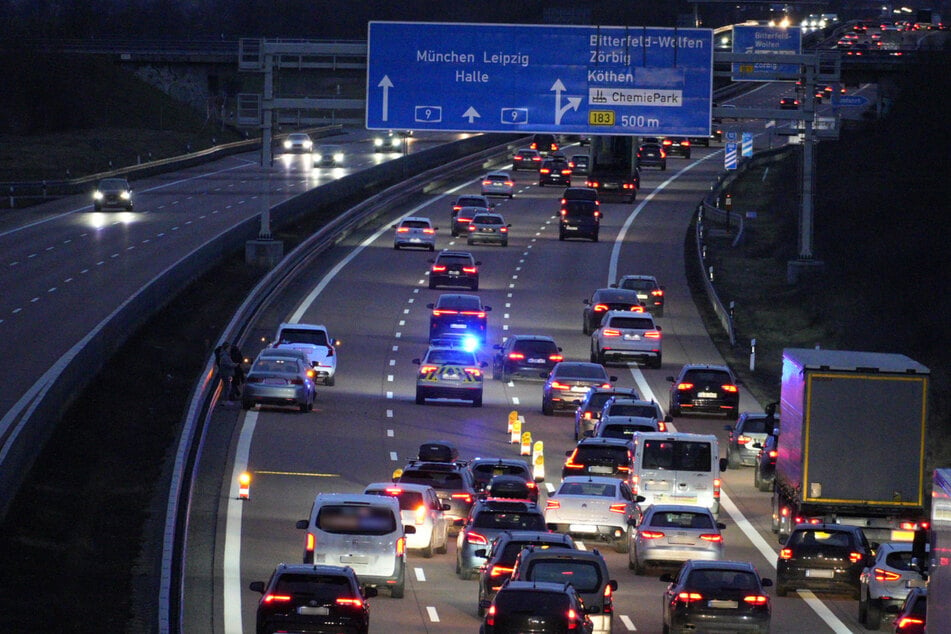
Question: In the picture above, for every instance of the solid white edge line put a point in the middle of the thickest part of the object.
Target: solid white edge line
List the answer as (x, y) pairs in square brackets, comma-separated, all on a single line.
[(232, 555)]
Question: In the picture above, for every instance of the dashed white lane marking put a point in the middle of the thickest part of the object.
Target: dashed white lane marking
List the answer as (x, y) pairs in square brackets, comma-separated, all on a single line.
[(389, 378), (51, 290), (34, 300), (628, 623), (393, 456), (406, 311), (505, 315), (389, 395), (515, 400), (397, 335), (395, 348), (433, 615), (390, 433), (392, 361), (420, 574), (389, 413), (402, 322), (411, 300)]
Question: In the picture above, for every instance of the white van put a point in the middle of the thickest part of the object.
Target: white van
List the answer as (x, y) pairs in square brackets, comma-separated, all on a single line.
[(678, 468), (316, 343), (364, 532)]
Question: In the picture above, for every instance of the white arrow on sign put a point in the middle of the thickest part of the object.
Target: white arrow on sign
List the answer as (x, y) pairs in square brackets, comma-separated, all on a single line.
[(573, 102), (386, 84), (471, 114)]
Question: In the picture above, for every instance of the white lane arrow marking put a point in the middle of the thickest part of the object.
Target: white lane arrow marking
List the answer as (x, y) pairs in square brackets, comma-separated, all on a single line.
[(573, 102), (471, 114), (386, 84)]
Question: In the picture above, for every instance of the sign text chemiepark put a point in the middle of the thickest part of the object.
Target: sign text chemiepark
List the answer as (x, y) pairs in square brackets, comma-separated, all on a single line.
[(535, 78), (770, 41)]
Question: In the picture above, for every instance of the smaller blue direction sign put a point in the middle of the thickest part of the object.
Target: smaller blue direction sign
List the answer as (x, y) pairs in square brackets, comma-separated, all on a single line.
[(747, 144), (768, 41), (853, 100), (729, 156)]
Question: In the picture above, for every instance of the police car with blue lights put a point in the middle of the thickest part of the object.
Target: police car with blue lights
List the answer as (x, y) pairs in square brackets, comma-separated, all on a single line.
[(450, 370)]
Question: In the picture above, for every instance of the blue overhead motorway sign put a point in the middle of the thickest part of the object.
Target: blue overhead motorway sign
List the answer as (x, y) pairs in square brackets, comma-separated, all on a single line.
[(539, 78), (765, 40)]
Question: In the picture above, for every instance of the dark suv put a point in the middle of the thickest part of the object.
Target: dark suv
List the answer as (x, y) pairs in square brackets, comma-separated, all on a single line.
[(589, 411), (604, 300), (458, 316), (454, 268), (611, 457), (554, 171), (579, 219), (451, 480), (704, 388), (485, 470), (307, 597), (488, 519), (679, 145), (459, 222), (525, 356), (500, 558), (824, 557), (544, 143), (536, 608)]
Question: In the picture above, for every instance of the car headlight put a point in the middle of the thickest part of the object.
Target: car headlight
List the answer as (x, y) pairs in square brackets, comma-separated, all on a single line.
[(338, 157), (125, 195), (287, 144), (308, 144), (97, 195), (378, 142)]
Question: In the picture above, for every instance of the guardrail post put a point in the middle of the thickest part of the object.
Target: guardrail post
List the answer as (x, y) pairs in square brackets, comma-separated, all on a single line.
[(12, 201)]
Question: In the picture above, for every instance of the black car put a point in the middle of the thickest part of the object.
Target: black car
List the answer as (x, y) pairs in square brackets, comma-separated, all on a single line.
[(764, 471), (609, 457), (544, 143), (579, 219), (460, 218), (454, 268), (458, 316), (651, 155), (720, 596), (568, 383), (747, 436), (487, 470), (451, 480), (589, 410), (530, 607), (526, 159), (912, 616), (500, 558), (554, 172), (580, 193), (525, 356), (823, 557), (489, 518), (605, 299), (305, 597), (679, 145), (459, 224), (704, 388), (648, 290)]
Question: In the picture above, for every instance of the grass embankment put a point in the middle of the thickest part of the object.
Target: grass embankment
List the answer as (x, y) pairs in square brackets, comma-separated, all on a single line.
[(880, 231)]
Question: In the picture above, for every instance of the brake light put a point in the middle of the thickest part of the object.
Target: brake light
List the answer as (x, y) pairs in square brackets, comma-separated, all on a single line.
[(856, 557), (438, 268), (570, 462), (473, 371), (572, 619), (652, 334), (684, 386), (620, 507), (712, 537), (462, 496), (420, 514), (555, 385), (566, 172), (490, 614), (400, 546), (474, 313), (544, 170), (463, 220), (743, 440), (785, 553), (442, 311), (510, 183), (552, 504), (610, 332), (667, 142), (688, 597), (555, 357), (426, 369), (600, 308), (537, 159), (728, 388), (469, 269), (476, 538), (311, 543), (685, 143), (657, 293), (503, 229), (661, 426), (516, 356), (403, 230), (275, 598), (773, 453), (886, 575), (429, 231), (498, 571), (486, 182), (637, 308), (472, 227), (905, 621), (645, 534), (756, 599), (350, 603)]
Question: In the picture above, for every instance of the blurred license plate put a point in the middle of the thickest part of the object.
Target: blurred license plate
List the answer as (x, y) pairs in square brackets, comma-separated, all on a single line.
[(488, 230), (582, 528), (579, 388), (354, 559), (820, 574), (722, 603), (463, 326), (707, 394), (632, 337), (453, 273), (597, 469), (307, 610), (536, 361), (274, 382), (450, 377)]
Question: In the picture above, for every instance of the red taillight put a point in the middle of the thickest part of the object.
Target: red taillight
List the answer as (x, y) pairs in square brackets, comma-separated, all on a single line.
[(442, 311), (729, 388), (856, 557), (555, 385), (350, 603), (438, 268), (684, 386), (685, 143), (610, 332), (712, 537), (667, 142), (311, 543), (476, 538), (661, 426), (469, 269), (756, 599), (905, 621), (556, 357), (462, 496), (393, 490), (426, 369), (510, 183), (785, 553), (552, 504), (474, 313), (646, 534), (473, 371), (499, 571), (743, 440), (607, 386), (516, 356), (472, 227), (570, 462), (431, 231), (487, 183), (490, 615), (599, 308), (773, 453), (657, 293), (403, 230), (276, 598), (544, 170), (537, 159), (463, 220), (618, 508), (886, 575), (689, 597), (566, 172), (503, 229), (652, 334)]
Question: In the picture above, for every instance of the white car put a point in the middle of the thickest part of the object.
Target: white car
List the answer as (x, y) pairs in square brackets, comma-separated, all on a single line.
[(594, 507), (298, 142), (415, 232), (419, 507), (626, 335), (316, 343), (498, 184)]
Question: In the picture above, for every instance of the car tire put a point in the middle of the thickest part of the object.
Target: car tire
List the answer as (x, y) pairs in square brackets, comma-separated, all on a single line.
[(302, 407), (623, 544), (547, 409), (420, 398), (432, 284), (584, 327), (873, 614), (331, 380), (398, 589), (633, 564), (246, 405), (765, 485), (663, 167), (656, 362), (511, 196), (427, 552), (594, 357), (732, 461), (505, 244), (577, 432), (735, 414), (594, 238), (396, 247), (863, 611), (541, 184), (442, 550)]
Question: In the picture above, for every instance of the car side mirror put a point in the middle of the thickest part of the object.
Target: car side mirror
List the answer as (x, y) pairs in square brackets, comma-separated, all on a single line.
[(485, 604), (394, 226), (543, 375), (257, 586), (559, 349), (479, 552), (613, 285), (612, 379), (724, 463), (370, 591), (409, 530), (632, 522), (667, 577), (721, 526), (586, 302), (302, 524), (509, 225), (435, 228), (613, 585), (767, 582), (659, 329)]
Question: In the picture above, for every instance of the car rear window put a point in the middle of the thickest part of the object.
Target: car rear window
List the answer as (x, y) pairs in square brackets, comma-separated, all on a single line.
[(581, 193), (415, 224), (535, 348), (460, 303), (631, 323), (275, 366), (296, 335), (677, 455), (591, 489), (509, 521), (487, 220), (451, 357), (624, 430), (541, 602), (355, 520), (445, 481), (485, 472), (722, 580), (497, 177), (637, 285), (899, 560), (754, 426), (645, 411), (585, 576), (672, 519), (581, 371), (321, 588), (707, 377), (602, 453), (615, 296), (813, 537), (409, 500)]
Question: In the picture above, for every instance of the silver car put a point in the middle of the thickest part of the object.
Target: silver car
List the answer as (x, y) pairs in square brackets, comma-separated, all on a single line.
[(594, 507), (626, 335), (419, 507), (488, 227), (670, 534), (415, 232), (449, 371), (279, 381), (298, 142), (498, 184), (747, 437), (886, 582)]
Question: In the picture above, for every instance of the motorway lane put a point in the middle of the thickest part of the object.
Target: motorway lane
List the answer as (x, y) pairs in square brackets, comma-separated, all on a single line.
[(63, 260), (368, 425)]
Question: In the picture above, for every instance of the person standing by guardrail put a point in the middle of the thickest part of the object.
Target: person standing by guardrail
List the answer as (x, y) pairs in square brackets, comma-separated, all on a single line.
[(226, 366)]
